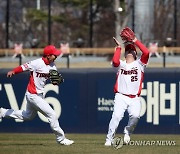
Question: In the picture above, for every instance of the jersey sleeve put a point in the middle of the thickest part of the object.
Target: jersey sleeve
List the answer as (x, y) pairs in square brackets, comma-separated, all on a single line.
[(145, 53), (141, 65), (30, 66), (18, 70), (116, 57)]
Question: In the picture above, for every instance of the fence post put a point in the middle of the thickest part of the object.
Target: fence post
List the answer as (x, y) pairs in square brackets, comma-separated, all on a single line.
[(20, 59), (164, 59), (164, 56), (68, 60)]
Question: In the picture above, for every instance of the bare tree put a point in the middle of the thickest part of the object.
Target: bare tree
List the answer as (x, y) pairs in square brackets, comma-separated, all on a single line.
[(163, 20)]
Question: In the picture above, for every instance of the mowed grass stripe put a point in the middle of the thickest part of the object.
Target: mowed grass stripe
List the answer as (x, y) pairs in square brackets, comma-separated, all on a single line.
[(20, 143)]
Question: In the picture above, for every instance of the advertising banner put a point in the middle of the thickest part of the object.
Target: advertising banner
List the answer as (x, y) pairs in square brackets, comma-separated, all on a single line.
[(84, 102)]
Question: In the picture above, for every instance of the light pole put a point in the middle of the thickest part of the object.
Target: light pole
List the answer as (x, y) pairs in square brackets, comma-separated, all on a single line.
[(7, 24), (117, 10), (133, 16), (38, 2), (91, 24), (175, 22), (49, 21)]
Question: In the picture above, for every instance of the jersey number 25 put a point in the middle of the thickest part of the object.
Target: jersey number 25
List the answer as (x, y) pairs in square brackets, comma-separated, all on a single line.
[(134, 78)]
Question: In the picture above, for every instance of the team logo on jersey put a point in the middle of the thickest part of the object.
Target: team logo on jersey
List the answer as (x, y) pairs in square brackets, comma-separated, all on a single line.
[(129, 72), (40, 75)]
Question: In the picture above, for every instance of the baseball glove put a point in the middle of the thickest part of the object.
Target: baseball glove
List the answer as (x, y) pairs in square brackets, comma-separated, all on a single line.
[(127, 35), (55, 77)]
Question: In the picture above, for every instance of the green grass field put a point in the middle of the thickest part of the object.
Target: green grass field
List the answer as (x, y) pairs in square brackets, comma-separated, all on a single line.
[(11, 143)]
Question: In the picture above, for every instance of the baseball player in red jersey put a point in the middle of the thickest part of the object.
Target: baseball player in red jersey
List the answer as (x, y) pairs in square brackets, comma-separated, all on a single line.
[(127, 87), (39, 73)]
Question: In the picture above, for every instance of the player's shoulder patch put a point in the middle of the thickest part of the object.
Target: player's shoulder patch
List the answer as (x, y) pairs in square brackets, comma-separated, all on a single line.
[(26, 65)]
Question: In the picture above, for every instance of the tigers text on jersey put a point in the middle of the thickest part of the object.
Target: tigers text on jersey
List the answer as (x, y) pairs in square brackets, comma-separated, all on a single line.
[(39, 74), (129, 77)]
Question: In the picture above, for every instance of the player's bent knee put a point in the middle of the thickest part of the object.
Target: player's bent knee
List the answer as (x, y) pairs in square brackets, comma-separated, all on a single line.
[(135, 116), (28, 116)]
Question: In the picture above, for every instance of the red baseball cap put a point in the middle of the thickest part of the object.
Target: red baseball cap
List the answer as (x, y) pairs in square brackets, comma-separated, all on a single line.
[(51, 50)]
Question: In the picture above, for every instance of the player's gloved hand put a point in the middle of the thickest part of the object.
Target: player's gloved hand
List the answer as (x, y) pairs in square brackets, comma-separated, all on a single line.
[(55, 77), (127, 35)]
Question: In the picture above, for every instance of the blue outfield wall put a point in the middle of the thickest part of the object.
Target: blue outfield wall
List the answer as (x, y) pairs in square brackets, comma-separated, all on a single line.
[(84, 102)]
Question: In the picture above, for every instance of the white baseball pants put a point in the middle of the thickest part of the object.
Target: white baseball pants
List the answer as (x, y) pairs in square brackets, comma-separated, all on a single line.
[(121, 104), (35, 102)]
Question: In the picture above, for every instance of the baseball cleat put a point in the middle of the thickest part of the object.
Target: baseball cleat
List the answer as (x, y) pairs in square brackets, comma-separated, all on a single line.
[(66, 142), (0, 114), (2, 111), (126, 138), (108, 143)]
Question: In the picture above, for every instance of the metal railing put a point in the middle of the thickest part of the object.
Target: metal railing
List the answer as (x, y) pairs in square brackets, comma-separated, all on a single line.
[(84, 51)]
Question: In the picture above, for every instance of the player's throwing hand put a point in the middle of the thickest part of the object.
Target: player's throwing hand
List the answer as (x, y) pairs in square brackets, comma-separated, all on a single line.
[(10, 73)]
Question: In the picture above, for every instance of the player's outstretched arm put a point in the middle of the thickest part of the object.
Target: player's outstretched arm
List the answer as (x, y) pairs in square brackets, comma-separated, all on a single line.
[(116, 57), (117, 53), (145, 52), (15, 71)]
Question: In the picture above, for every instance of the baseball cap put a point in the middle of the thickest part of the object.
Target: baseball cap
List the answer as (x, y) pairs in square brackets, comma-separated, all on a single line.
[(129, 47), (51, 50)]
